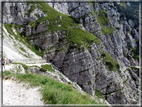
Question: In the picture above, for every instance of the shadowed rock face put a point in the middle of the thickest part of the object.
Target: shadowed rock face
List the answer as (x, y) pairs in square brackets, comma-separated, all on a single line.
[(89, 66)]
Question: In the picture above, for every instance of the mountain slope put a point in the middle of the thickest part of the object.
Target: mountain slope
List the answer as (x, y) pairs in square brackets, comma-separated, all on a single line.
[(13, 48), (92, 46)]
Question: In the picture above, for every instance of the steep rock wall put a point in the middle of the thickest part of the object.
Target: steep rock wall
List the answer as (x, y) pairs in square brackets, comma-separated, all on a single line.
[(102, 66)]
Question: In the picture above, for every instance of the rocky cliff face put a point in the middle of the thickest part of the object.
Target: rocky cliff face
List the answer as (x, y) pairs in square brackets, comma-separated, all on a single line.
[(91, 45)]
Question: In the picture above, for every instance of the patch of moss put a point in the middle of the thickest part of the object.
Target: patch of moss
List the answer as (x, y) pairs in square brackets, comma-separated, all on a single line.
[(24, 66), (112, 64), (43, 69), (34, 66), (99, 94), (22, 49), (9, 28), (126, 70), (33, 24), (32, 8), (135, 51), (51, 48), (63, 50), (116, 91), (102, 17), (73, 9), (107, 30), (103, 21), (78, 37), (89, 83), (129, 32), (47, 67)]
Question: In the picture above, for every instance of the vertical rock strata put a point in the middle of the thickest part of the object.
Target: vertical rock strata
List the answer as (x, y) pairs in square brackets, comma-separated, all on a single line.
[(103, 66)]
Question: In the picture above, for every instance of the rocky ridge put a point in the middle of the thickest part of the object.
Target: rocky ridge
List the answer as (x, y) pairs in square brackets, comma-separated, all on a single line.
[(104, 64)]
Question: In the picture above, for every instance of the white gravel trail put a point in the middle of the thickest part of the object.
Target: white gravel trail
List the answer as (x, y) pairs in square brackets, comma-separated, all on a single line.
[(15, 93), (20, 93)]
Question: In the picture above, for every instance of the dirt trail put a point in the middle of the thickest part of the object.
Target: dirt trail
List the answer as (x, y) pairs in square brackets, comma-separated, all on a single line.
[(15, 93)]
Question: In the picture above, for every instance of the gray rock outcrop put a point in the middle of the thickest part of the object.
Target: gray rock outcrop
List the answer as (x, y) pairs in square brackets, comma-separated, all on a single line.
[(18, 13), (89, 66)]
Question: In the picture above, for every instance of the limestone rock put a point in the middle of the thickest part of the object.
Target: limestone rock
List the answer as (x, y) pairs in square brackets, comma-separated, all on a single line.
[(28, 30), (85, 66), (131, 41), (22, 69), (96, 6), (135, 33), (131, 23)]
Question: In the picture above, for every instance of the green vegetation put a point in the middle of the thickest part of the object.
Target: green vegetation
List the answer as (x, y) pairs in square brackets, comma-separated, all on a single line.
[(17, 36), (102, 17), (33, 66), (126, 70), (135, 51), (47, 67), (32, 8), (73, 9), (9, 28), (129, 32), (81, 37), (125, 54), (104, 21), (89, 83), (58, 93), (21, 48), (53, 92), (67, 21), (68, 24), (99, 94), (112, 64), (51, 48), (24, 66), (130, 12), (22, 39), (108, 30), (116, 91)]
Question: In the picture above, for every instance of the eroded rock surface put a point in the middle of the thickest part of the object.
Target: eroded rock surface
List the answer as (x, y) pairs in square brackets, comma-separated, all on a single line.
[(89, 66)]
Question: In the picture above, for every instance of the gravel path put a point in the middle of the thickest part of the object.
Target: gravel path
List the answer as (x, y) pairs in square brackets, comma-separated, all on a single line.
[(15, 93)]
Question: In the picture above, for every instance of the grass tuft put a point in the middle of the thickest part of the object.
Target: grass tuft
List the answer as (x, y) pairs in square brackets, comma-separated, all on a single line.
[(81, 37), (112, 64), (47, 67)]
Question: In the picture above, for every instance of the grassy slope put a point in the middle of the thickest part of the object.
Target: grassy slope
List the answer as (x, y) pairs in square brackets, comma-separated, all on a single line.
[(69, 25), (53, 92), (75, 36), (112, 64)]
